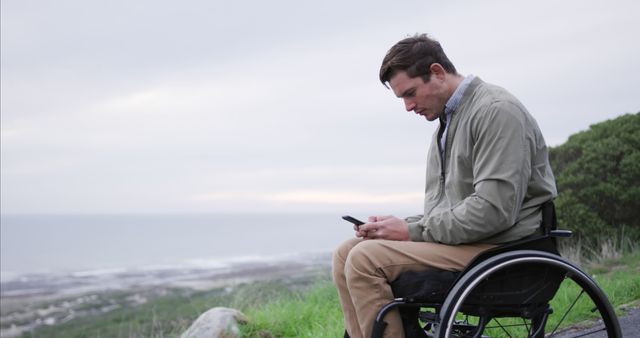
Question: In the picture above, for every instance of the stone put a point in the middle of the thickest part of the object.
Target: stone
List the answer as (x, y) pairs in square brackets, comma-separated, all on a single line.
[(217, 322)]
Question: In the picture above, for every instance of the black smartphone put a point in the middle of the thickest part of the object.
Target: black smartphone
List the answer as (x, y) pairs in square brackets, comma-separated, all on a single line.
[(355, 221)]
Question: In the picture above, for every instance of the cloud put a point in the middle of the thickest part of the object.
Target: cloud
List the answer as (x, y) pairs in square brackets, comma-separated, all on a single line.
[(163, 106)]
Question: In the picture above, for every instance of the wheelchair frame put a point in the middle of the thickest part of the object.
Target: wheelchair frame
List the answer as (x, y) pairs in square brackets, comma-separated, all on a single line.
[(537, 252)]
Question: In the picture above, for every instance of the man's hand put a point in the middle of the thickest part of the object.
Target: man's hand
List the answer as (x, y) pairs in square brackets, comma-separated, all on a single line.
[(384, 227)]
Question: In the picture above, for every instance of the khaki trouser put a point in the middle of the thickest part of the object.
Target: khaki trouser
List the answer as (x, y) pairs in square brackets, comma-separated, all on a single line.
[(362, 270)]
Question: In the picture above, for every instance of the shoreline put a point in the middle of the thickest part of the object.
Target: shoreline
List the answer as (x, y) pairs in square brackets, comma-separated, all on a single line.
[(51, 299), (42, 283)]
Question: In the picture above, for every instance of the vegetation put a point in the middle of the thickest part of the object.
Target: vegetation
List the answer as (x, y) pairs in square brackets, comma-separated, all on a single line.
[(598, 178), (313, 314)]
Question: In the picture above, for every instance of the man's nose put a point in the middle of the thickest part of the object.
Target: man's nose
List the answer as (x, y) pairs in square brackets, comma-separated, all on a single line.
[(409, 105)]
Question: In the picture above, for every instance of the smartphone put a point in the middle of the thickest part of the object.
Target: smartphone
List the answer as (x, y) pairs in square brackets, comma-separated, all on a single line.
[(355, 221)]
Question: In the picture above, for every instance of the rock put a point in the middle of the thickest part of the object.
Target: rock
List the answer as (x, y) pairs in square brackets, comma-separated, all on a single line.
[(217, 322)]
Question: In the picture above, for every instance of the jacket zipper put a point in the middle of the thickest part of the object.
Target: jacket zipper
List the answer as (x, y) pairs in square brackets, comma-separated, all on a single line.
[(441, 187), (440, 151)]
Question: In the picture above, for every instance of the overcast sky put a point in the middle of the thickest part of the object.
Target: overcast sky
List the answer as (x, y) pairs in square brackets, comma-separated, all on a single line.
[(125, 106)]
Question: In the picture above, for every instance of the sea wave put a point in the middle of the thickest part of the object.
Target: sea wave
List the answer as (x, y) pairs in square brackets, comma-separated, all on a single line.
[(189, 272)]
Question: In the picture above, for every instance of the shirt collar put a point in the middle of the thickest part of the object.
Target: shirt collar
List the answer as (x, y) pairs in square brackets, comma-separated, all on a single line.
[(454, 101)]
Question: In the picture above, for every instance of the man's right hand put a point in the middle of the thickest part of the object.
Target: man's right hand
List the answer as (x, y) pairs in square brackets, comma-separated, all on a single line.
[(384, 227)]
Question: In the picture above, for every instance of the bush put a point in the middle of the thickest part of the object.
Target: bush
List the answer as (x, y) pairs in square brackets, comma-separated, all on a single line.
[(598, 177)]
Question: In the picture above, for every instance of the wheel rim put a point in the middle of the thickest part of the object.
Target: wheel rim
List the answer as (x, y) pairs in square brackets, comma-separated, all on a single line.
[(465, 287)]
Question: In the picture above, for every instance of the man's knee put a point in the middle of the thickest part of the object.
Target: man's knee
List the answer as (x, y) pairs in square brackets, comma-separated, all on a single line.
[(339, 258), (362, 258), (342, 251)]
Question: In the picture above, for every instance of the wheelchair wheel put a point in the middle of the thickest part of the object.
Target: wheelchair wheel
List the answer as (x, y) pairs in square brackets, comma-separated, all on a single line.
[(475, 306)]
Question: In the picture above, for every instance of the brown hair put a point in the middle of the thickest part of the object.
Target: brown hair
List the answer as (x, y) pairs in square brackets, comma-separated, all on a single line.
[(414, 55)]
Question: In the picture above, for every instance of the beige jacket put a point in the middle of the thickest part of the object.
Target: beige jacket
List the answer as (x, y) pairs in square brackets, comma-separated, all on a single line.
[(496, 173)]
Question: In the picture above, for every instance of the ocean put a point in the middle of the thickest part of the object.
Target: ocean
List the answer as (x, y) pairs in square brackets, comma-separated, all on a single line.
[(102, 244)]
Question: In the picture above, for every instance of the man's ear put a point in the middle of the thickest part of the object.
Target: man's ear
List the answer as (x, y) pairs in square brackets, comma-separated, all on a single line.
[(437, 70)]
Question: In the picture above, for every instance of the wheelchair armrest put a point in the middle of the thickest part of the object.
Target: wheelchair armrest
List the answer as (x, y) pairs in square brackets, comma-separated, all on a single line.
[(560, 233)]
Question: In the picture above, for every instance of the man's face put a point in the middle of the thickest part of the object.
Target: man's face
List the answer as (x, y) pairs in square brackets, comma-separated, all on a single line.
[(423, 98)]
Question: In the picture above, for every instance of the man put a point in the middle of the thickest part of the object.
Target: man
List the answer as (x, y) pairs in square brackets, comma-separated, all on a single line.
[(487, 176)]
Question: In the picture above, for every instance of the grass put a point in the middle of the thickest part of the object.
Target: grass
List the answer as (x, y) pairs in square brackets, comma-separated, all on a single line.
[(620, 279), (313, 314), (292, 308), (611, 249)]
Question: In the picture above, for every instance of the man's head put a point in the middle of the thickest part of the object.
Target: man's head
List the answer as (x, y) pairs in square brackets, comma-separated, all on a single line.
[(419, 72), (414, 55)]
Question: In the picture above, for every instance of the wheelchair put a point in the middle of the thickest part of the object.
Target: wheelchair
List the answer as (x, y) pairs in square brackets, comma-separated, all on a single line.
[(508, 291)]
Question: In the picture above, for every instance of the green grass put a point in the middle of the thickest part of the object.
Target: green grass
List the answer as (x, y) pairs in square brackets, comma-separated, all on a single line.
[(298, 308), (620, 279), (315, 313)]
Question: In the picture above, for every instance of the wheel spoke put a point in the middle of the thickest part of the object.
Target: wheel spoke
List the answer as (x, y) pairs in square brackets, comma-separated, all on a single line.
[(567, 312), (591, 332), (503, 328), (524, 322)]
